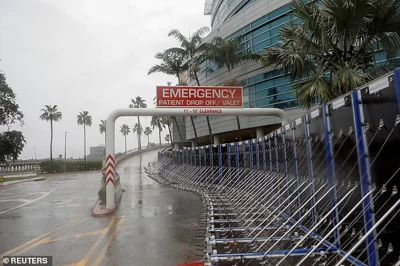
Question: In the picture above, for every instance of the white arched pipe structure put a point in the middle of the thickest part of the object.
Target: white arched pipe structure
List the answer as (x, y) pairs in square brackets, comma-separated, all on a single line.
[(110, 131)]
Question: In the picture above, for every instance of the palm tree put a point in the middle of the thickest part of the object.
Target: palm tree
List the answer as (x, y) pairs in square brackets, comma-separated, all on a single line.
[(147, 132), (172, 63), (191, 48), (125, 130), (167, 138), (102, 128), (332, 50), (83, 118), (225, 53), (138, 129), (138, 102), (50, 113), (157, 122)]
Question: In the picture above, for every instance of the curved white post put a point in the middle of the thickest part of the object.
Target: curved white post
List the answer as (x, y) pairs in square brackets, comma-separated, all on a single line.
[(110, 131)]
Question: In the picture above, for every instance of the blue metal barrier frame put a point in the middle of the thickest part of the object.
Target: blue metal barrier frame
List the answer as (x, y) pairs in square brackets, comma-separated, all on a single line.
[(331, 171), (365, 179), (397, 86), (250, 154), (237, 162), (292, 126), (270, 154), (264, 155), (220, 163), (257, 142), (310, 164)]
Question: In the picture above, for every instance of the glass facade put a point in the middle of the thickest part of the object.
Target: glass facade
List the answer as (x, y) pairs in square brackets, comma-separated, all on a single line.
[(226, 9), (269, 89)]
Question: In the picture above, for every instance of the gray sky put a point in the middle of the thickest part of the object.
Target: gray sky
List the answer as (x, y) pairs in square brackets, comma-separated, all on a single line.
[(86, 55)]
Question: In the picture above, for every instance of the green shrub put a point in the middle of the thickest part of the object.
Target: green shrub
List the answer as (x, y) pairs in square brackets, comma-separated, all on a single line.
[(80, 166), (51, 166)]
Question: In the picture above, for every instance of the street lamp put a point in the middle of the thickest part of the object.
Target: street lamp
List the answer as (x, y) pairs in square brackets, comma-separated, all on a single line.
[(65, 152)]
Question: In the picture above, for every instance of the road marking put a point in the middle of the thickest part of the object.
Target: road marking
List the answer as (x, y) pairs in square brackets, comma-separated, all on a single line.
[(40, 237), (104, 233), (103, 251), (77, 236), (32, 201)]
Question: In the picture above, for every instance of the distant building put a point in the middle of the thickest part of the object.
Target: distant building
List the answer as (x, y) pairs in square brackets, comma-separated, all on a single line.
[(97, 152)]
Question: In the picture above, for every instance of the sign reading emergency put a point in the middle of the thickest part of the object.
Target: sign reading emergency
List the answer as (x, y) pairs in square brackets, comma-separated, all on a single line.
[(197, 96)]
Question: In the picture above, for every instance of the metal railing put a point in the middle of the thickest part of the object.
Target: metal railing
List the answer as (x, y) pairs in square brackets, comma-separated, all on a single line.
[(321, 190)]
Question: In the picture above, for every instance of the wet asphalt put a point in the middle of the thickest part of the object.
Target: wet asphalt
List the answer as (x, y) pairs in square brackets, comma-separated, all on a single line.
[(154, 225)]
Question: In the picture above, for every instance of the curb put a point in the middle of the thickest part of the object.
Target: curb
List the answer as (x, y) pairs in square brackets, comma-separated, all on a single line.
[(13, 184), (107, 212)]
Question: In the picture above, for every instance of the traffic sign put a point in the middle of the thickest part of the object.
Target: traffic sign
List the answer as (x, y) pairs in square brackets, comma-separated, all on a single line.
[(199, 96)]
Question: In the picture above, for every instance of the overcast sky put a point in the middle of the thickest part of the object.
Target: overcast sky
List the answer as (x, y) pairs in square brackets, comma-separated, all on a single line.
[(86, 55)]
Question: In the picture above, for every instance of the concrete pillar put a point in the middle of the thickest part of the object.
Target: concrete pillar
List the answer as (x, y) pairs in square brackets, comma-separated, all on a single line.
[(217, 139), (176, 146), (259, 132), (194, 144)]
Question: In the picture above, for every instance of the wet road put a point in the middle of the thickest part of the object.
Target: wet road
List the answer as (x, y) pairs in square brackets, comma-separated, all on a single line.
[(155, 225)]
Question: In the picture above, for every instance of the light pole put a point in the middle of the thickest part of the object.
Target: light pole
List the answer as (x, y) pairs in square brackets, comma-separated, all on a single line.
[(65, 152)]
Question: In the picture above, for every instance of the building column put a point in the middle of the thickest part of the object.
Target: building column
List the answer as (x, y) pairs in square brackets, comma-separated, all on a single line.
[(217, 139), (259, 132), (194, 143), (176, 146)]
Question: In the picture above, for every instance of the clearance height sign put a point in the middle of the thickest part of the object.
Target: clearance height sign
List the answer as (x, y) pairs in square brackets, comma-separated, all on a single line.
[(197, 96)]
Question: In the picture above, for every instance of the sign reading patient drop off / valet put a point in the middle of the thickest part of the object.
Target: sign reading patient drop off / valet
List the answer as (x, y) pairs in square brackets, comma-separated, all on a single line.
[(198, 96)]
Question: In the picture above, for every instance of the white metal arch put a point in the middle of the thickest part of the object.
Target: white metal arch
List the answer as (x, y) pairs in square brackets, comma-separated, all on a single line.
[(110, 131)]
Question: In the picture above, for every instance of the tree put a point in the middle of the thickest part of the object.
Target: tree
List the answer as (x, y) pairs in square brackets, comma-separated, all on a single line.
[(172, 63), (102, 128), (331, 51), (138, 129), (138, 102), (191, 48), (167, 138), (147, 132), (157, 122), (125, 130), (11, 142), (226, 53), (51, 113), (84, 119)]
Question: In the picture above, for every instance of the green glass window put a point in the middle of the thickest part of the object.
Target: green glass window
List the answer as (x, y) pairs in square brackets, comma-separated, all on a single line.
[(245, 91), (264, 85), (279, 21), (262, 102), (261, 37), (261, 30), (246, 98), (262, 45), (262, 93), (252, 88)]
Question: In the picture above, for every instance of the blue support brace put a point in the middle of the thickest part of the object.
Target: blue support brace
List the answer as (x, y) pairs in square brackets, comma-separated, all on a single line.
[(237, 161), (228, 159), (211, 156), (310, 165), (251, 154), (263, 153), (179, 157), (270, 154), (276, 151), (295, 170), (205, 156), (195, 157), (331, 171), (220, 163), (257, 154), (365, 179), (285, 169), (397, 86)]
